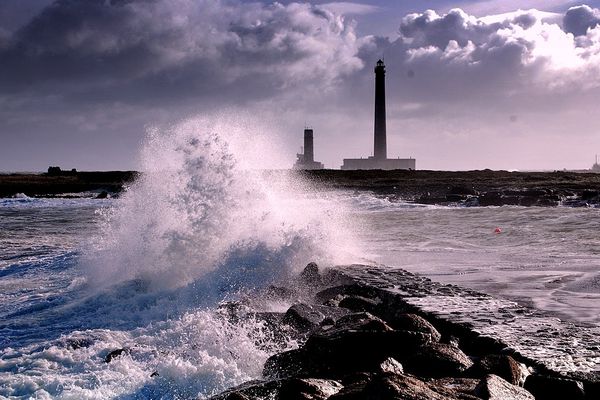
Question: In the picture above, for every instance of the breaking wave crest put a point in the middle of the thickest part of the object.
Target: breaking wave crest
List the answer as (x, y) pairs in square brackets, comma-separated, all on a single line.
[(203, 223), (199, 206)]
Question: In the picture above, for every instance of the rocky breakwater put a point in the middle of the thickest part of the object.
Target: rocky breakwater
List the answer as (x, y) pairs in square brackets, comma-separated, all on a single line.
[(369, 332)]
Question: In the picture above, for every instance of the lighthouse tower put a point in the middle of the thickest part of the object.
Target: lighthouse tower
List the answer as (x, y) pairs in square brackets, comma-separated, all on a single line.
[(306, 159), (379, 159), (380, 146)]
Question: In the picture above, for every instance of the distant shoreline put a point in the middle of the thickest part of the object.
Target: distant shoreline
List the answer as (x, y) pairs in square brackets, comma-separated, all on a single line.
[(49, 185), (469, 188)]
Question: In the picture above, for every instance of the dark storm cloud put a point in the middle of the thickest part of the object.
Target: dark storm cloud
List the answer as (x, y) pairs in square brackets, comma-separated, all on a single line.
[(125, 50), (579, 19), (213, 51), (96, 73)]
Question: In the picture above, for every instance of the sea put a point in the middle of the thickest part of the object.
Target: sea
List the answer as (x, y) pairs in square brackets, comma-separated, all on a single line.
[(149, 271)]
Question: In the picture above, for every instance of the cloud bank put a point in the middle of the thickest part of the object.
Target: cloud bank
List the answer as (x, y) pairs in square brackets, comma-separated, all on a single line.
[(127, 49), (97, 72)]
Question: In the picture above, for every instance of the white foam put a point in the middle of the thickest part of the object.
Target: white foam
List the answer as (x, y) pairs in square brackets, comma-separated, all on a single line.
[(197, 354), (195, 207)]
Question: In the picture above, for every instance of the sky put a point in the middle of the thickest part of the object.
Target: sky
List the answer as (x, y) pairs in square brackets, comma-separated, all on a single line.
[(497, 84)]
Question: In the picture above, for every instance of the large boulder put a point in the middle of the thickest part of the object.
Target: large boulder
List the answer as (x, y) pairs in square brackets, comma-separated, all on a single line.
[(437, 360), (333, 295), (462, 388), (306, 317), (288, 389), (390, 386), (357, 342), (413, 322), (492, 387), (308, 389), (252, 390), (501, 365), (360, 304), (310, 276)]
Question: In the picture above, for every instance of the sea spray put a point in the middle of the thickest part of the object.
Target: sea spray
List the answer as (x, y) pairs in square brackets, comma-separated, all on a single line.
[(197, 206), (200, 224)]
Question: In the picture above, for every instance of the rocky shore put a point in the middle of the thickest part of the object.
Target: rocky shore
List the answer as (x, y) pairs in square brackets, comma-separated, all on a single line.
[(464, 188), (66, 184), (368, 332), (469, 188)]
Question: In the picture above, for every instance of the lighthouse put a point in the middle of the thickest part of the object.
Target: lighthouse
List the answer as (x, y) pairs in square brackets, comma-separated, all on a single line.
[(379, 158), (380, 146), (306, 159)]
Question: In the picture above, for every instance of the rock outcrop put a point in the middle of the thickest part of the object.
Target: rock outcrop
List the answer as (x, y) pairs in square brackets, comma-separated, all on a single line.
[(375, 333)]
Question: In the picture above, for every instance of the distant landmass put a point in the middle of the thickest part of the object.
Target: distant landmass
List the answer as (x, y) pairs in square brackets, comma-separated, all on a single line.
[(57, 182), (467, 188)]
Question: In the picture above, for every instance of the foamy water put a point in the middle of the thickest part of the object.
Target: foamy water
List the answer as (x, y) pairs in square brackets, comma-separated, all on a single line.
[(146, 272), (82, 277)]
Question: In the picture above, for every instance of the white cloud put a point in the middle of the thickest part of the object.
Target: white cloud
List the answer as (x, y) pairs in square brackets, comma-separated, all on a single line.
[(491, 7), (533, 52), (348, 8)]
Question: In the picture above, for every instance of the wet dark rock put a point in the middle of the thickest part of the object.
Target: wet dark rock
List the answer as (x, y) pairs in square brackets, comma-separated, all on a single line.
[(547, 388), (478, 345), (452, 340), (293, 363), (357, 342), (288, 389), (492, 387), (419, 343), (429, 198), (362, 321), (590, 195), (471, 201), (390, 386), (310, 275), (437, 360), (333, 295), (78, 343), (359, 304), (413, 322), (356, 378), (102, 195), (462, 388), (308, 389), (462, 190), (305, 317), (502, 365), (252, 390), (491, 199), (116, 353), (455, 198), (590, 381), (390, 365)]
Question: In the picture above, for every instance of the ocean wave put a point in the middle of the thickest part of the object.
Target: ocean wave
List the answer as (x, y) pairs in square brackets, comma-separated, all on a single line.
[(199, 227)]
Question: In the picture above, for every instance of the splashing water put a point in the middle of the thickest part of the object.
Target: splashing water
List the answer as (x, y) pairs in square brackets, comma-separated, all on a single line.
[(197, 209), (200, 224)]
